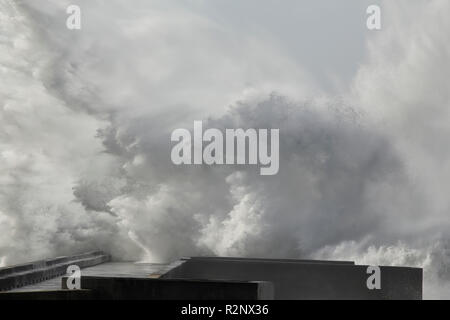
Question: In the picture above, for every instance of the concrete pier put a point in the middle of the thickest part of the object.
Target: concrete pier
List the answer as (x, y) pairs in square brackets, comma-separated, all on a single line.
[(215, 278)]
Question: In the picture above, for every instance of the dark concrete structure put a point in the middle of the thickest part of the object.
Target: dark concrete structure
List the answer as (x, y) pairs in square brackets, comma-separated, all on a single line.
[(305, 279), (214, 278), (121, 288)]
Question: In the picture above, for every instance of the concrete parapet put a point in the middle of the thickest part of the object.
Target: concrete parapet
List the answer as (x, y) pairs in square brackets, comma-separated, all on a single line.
[(179, 289), (37, 271)]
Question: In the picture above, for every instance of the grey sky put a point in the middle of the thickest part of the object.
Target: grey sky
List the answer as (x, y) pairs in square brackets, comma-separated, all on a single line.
[(328, 38)]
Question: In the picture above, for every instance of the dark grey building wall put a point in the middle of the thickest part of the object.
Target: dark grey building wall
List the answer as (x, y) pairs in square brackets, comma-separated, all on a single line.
[(122, 288), (300, 280)]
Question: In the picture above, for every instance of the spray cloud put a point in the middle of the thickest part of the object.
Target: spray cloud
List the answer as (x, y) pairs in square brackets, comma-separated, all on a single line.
[(85, 132)]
